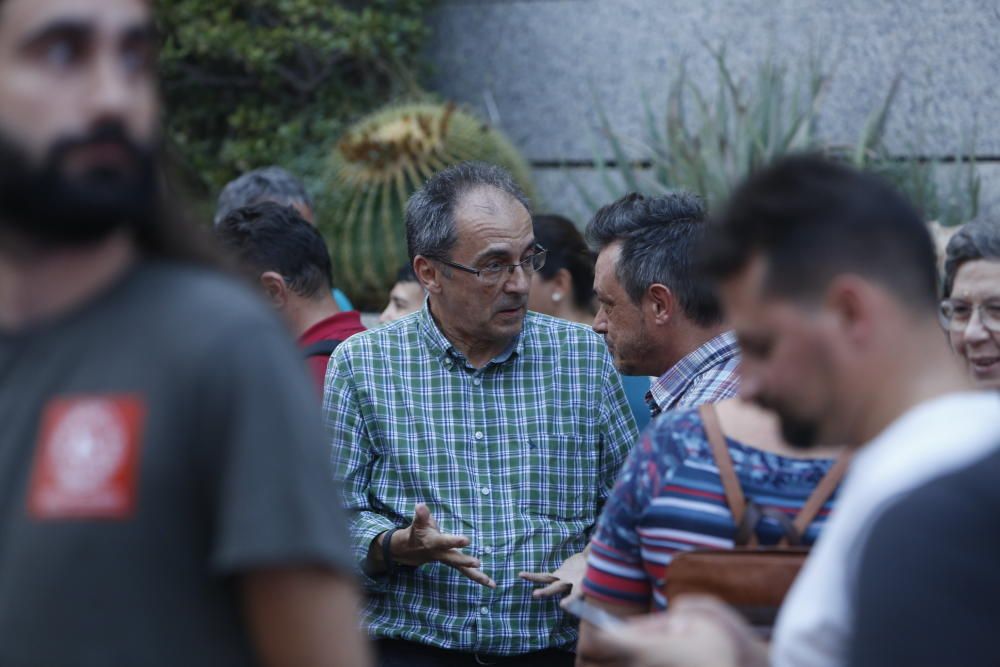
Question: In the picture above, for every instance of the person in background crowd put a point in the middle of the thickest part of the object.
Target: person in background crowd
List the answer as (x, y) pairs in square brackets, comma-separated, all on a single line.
[(163, 498), (970, 311), (657, 318), (477, 440), (288, 259), (274, 184), (828, 276), (670, 498), (564, 288), (407, 296)]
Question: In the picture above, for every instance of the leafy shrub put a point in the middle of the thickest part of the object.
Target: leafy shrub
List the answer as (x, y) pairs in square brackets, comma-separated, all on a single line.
[(708, 141), (254, 82)]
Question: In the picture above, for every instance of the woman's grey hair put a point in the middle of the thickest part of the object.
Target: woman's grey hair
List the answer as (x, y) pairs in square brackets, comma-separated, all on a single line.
[(975, 240), (430, 211), (273, 184)]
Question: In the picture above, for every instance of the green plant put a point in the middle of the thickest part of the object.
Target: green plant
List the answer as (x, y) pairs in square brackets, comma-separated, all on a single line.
[(708, 142), (377, 165), (255, 82)]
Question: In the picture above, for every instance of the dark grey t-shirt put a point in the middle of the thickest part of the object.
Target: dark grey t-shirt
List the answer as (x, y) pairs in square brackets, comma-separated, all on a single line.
[(155, 442), (928, 586)]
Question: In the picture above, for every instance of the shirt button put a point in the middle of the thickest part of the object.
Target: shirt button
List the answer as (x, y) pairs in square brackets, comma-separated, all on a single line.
[(485, 490), (488, 550), (484, 610), (479, 435), (477, 382)]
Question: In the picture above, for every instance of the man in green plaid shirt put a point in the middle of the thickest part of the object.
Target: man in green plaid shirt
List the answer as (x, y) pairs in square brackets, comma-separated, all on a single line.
[(476, 441)]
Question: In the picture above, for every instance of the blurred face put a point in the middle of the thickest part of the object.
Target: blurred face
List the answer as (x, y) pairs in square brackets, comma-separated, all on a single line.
[(786, 365), (619, 319), (493, 229), (405, 298), (78, 116), (974, 331)]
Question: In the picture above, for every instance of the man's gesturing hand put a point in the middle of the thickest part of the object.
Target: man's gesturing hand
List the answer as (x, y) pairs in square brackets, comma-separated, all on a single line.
[(423, 542), (566, 581)]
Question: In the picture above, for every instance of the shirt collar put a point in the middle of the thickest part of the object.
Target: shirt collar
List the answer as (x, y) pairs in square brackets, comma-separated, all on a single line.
[(669, 387), (441, 348)]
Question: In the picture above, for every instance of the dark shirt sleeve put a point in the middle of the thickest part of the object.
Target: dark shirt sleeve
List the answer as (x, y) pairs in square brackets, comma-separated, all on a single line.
[(275, 504), (928, 585)]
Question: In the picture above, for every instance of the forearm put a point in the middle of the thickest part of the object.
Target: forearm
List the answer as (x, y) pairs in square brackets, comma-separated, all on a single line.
[(304, 616), (593, 654)]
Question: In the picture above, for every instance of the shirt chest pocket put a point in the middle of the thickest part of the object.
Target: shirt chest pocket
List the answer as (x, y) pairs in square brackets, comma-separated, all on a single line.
[(557, 477)]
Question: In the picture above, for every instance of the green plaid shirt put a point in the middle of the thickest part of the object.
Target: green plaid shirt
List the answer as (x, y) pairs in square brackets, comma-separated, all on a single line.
[(518, 456)]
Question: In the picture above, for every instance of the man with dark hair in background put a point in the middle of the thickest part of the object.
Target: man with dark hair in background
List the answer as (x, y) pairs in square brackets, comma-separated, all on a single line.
[(289, 259), (477, 439), (164, 500), (271, 184), (829, 278), (656, 316)]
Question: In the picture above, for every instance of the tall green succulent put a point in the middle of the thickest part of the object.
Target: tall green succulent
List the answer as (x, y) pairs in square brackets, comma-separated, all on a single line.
[(707, 141), (377, 165)]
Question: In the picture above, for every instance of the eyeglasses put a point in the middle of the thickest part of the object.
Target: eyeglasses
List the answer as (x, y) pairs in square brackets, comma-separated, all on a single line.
[(956, 314), (494, 272)]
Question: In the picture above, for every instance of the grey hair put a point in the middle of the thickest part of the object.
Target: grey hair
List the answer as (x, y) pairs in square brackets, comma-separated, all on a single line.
[(430, 211), (273, 184), (975, 240)]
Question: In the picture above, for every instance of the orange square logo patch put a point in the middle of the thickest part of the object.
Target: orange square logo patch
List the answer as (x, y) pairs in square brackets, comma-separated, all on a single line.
[(87, 458)]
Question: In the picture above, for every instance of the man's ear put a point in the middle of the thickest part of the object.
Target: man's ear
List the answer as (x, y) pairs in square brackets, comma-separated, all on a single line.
[(659, 303), (853, 304), (274, 288), (428, 274)]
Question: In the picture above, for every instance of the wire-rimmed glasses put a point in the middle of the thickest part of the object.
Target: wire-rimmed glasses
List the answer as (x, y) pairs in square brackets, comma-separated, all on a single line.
[(494, 272)]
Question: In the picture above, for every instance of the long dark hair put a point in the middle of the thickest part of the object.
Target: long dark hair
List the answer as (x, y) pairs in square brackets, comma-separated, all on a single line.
[(567, 250)]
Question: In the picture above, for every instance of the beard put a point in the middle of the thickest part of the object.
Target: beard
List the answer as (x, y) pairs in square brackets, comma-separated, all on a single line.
[(797, 432), (46, 204)]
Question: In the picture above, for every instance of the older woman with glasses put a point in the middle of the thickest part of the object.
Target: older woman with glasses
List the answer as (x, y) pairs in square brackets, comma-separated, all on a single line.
[(970, 311)]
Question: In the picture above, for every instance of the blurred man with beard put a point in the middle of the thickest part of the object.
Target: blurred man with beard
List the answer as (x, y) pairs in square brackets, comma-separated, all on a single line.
[(163, 493), (477, 440), (828, 277)]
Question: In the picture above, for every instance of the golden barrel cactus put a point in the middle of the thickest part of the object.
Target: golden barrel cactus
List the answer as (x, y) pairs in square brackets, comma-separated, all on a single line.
[(377, 165)]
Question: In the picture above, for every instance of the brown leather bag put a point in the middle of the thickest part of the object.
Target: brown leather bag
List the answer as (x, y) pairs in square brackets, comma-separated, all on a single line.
[(751, 579)]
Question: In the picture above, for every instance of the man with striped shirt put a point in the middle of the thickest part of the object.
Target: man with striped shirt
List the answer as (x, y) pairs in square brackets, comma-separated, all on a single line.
[(477, 441), (656, 317)]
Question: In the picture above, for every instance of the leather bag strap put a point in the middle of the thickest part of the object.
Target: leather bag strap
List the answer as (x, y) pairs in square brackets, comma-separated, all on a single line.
[(720, 452), (821, 494)]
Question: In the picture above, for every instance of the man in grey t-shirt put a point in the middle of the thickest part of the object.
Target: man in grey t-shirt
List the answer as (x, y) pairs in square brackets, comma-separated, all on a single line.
[(164, 493)]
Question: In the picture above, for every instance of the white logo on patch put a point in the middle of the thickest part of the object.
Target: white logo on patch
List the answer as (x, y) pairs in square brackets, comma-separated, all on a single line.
[(88, 447)]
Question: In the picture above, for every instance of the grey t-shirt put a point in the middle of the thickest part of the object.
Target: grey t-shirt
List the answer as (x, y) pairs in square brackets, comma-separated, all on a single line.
[(154, 442)]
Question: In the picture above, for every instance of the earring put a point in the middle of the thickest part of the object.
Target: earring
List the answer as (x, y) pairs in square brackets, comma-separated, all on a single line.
[(557, 296)]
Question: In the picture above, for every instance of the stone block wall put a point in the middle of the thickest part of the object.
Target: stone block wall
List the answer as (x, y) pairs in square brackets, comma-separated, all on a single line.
[(534, 67)]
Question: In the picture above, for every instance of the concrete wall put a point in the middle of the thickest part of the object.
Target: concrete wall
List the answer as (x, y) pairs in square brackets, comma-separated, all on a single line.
[(534, 67)]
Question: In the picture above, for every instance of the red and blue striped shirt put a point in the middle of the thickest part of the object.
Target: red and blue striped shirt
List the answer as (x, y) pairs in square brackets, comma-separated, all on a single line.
[(669, 498)]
